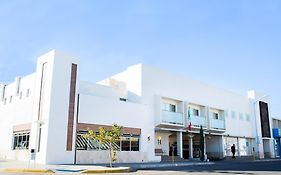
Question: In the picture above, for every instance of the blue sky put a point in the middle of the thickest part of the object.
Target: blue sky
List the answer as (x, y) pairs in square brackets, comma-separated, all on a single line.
[(234, 44)]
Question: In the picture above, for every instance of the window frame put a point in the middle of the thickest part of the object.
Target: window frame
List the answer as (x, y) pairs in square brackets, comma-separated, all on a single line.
[(21, 140), (216, 115)]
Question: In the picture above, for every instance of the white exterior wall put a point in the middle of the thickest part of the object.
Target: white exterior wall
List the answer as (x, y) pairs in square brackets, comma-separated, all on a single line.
[(55, 108), (156, 84), (17, 112), (214, 146), (167, 85), (101, 90), (143, 87), (105, 111), (164, 146), (84, 157), (132, 77)]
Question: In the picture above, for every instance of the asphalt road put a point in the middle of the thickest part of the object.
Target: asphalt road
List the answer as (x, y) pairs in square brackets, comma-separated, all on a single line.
[(219, 168), (270, 166)]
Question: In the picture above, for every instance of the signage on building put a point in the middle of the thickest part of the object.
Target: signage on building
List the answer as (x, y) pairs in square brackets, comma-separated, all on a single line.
[(265, 127)]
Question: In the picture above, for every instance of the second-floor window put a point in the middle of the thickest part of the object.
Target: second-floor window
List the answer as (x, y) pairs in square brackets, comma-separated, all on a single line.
[(195, 112), (168, 107), (215, 115)]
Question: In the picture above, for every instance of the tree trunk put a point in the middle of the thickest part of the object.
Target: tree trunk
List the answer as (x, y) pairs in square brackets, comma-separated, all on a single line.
[(110, 156)]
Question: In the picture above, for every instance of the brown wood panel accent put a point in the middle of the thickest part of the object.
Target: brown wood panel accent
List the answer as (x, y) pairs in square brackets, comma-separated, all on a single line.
[(71, 107), (95, 127), (22, 127)]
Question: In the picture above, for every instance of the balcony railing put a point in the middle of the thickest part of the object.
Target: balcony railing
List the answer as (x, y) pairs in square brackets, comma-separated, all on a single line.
[(197, 121), (217, 124), (172, 118)]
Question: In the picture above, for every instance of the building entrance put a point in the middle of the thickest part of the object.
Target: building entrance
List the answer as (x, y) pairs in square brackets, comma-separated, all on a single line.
[(194, 146)]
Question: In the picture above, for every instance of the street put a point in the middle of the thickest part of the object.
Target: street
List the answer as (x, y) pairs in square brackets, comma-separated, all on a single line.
[(272, 167)]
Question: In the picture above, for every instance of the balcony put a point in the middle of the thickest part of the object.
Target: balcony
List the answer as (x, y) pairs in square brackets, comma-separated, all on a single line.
[(197, 121), (217, 124), (172, 118)]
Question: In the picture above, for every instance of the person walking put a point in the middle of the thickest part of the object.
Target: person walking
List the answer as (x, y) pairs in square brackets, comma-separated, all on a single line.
[(233, 150)]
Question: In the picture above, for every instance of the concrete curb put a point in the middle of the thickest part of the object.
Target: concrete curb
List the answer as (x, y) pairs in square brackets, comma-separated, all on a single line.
[(109, 170), (267, 160), (26, 170)]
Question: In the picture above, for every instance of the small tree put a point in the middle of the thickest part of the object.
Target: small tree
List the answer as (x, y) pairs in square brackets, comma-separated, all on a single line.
[(107, 136)]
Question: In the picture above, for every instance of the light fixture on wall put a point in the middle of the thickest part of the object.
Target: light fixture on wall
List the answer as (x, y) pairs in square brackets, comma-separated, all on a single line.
[(148, 137), (159, 140)]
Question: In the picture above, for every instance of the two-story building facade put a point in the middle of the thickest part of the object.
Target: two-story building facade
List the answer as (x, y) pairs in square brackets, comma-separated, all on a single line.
[(161, 114)]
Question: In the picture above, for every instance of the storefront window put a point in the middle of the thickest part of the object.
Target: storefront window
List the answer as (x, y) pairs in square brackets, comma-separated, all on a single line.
[(134, 144), (21, 140), (125, 144)]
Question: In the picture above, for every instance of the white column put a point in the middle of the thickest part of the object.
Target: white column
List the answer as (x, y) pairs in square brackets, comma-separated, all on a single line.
[(207, 109), (204, 146), (191, 146), (223, 147), (179, 144), (238, 147), (260, 152), (271, 147)]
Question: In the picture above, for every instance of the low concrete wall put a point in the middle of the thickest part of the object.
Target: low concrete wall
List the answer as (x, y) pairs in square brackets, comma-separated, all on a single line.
[(92, 157), (21, 155), (267, 155), (215, 155)]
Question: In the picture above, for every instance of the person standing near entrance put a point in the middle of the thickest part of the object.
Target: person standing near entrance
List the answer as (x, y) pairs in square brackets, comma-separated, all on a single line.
[(233, 150)]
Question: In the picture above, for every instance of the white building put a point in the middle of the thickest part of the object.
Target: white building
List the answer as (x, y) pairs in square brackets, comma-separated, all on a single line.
[(50, 109)]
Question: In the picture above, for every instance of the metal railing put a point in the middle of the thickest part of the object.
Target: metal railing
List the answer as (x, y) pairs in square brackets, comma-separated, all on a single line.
[(172, 118), (217, 124), (197, 121)]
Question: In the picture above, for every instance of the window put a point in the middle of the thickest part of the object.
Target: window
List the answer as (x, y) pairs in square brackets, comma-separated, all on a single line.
[(248, 117), (27, 92), (123, 99), (233, 114), (172, 108), (125, 143), (134, 144), (215, 115), (169, 107), (21, 140), (11, 99), (241, 117), (195, 112)]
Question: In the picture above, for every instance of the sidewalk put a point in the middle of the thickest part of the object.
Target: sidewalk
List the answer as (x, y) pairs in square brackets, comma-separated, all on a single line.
[(13, 166)]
